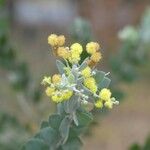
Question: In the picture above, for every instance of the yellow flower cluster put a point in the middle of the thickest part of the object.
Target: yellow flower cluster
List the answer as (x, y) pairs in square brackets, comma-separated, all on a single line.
[(56, 78), (72, 54), (60, 96), (75, 52), (86, 72), (55, 40), (46, 80), (90, 83), (52, 91), (61, 88), (105, 97), (93, 49), (63, 52)]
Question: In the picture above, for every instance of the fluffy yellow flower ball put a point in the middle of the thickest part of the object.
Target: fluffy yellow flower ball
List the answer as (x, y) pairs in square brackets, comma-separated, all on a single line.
[(92, 47), (99, 104), (76, 48), (56, 78), (63, 52), (74, 57), (96, 57), (90, 83), (67, 95), (57, 98), (109, 104), (61, 40), (53, 40), (86, 72), (46, 80), (49, 91), (105, 94)]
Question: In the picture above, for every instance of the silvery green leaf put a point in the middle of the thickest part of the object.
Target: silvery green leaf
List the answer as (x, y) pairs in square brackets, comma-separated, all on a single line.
[(64, 129), (99, 76), (75, 71), (48, 135), (64, 80), (44, 124), (83, 65), (71, 78), (80, 80), (104, 83), (88, 93), (35, 144), (84, 118), (60, 66), (72, 144), (75, 119), (60, 108), (71, 105), (55, 120)]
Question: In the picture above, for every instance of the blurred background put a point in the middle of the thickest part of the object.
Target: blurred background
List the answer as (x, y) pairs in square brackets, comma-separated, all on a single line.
[(122, 27)]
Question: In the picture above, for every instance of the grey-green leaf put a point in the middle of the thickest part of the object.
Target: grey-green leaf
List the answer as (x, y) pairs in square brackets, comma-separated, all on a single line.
[(60, 66), (55, 120), (44, 124), (99, 76), (105, 83), (84, 118), (64, 129), (72, 104), (83, 65), (72, 144), (48, 135), (35, 144)]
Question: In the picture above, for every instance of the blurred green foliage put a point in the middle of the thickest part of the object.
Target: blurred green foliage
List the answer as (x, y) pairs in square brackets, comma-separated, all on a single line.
[(137, 146), (12, 134), (19, 75), (133, 54)]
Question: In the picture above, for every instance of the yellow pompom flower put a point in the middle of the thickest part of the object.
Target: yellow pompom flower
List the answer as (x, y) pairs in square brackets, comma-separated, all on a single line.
[(86, 72), (109, 104), (46, 80), (92, 47), (67, 95), (57, 98), (99, 104), (61, 40), (105, 94), (96, 57), (56, 78), (63, 52), (74, 57), (90, 83), (49, 91), (76, 48), (53, 40)]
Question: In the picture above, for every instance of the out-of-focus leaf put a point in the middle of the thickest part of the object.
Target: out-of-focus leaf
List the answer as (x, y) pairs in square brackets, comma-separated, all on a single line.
[(35, 144), (64, 128), (48, 135), (135, 147), (147, 144), (84, 118), (55, 120), (72, 144), (44, 124), (104, 83), (60, 66), (72, 104)]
